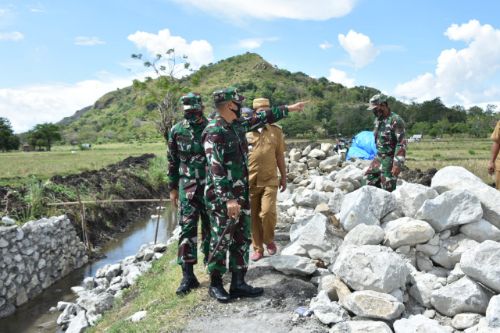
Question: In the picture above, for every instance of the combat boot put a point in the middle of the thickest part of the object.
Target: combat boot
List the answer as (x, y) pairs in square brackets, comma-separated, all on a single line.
[(239, 288), (216, 288), (188, 281)]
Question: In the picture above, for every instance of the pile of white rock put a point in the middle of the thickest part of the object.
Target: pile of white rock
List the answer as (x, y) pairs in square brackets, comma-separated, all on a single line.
[(420, 259), (97, 294)]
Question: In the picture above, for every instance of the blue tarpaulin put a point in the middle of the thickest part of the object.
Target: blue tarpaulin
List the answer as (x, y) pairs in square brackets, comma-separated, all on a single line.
[(363, 146)]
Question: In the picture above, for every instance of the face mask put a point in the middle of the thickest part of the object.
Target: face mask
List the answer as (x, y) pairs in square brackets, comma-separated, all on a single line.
[(237, 112), (378, 113), (193, 116)]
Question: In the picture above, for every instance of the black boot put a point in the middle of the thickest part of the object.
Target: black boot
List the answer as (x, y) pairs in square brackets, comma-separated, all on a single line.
[(239, 288), (188, 281), (216, 288)]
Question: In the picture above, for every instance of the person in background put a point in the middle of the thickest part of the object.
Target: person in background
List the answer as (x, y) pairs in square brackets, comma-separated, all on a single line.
[(266, 147), (391, 145), (495, 148)]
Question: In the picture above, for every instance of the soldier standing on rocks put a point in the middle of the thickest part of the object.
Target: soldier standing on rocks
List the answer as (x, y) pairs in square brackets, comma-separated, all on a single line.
[(187, 173), (495, 148), (267, 153), (391, 145), (227, 191)]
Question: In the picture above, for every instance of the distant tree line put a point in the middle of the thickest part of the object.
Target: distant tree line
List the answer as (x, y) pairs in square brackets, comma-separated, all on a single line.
[(42, 136), (8, 140)]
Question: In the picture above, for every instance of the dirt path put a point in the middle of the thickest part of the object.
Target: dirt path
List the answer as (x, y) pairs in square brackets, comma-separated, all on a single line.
[(273, 312)]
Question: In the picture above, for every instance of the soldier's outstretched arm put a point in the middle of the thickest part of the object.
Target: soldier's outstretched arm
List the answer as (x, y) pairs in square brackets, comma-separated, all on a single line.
[(272, 115), (173, 166)]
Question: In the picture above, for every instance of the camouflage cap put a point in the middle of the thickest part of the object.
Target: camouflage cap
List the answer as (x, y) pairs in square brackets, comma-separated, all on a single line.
[(260, 103), (191, 101), (227, 94), (376, 100)]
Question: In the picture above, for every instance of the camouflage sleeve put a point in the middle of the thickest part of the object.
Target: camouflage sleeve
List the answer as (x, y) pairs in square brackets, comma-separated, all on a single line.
[(213, 144), (400, 150), (173, 161), (266, 117)]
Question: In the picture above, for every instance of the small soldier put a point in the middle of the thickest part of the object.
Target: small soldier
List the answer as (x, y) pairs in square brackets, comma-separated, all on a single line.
[(391, 145), (187, 173), (227, 191)]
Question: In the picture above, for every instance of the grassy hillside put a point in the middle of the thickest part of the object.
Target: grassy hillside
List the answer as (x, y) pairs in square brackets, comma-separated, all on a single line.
[(127, 114)]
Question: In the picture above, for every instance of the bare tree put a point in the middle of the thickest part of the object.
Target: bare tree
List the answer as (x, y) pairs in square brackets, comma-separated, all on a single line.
[(165, 87)]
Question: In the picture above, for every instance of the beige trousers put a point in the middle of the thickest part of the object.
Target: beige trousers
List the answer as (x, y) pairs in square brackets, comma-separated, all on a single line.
[(263, 210)]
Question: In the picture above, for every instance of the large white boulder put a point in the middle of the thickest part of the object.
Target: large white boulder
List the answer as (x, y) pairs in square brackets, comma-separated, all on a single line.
[(453, 177), (423, 284), (372, 304), (363, 234), (452, 208), (317, 153), (420, 324), (309, 198), (366, 205), (493, 312), (326, 311), (462, 321), (361, 326), (407, 231), (481, 231), (482, 264), (451, 250), (461, 296), (371, 267), (410, 197), (293, 265), (329, 164)]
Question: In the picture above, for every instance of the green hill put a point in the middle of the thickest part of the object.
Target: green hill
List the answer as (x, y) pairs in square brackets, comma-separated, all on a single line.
[(128, 115)]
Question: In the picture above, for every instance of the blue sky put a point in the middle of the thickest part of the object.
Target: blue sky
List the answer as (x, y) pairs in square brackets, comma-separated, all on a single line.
[(59, 56)]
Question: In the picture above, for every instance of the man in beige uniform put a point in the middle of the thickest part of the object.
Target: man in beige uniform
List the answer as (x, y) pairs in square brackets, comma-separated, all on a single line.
[(495, 148), (266, 154)]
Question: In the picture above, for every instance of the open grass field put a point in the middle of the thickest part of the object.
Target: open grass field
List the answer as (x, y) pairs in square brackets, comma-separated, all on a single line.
[(472, 154), (16, 167)]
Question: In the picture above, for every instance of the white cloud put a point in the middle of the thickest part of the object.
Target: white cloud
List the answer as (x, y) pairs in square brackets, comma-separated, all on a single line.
[(274, 9), (199, 52), (13, 36), (88, 41), (360, 48), (341, 77), (254, 43), (463, 76), (325, 45), (31, 105)]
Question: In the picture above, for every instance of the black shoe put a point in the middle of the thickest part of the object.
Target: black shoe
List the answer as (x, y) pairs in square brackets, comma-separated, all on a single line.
[(216, 288), (239, 288), (188, 281)]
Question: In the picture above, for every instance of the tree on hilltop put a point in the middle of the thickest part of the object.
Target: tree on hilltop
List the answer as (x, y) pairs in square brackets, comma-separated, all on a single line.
[(8, 140)]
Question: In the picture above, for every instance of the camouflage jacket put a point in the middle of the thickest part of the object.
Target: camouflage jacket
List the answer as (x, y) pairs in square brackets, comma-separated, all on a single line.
[(226, 149), (186, 157), (390, 138)]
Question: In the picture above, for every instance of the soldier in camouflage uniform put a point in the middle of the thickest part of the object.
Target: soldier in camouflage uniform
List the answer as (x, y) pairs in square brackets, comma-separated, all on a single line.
[(391, 145), (187, 173), (227, 192)]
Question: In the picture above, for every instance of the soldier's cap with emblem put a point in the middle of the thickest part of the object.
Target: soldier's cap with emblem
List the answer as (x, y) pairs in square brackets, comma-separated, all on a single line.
[(260, 103), (376, 100), (227, 95), (191, 101)]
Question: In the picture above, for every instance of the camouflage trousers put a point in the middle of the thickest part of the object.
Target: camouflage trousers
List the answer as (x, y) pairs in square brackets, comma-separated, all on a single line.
[(236, 240), (191, 210), (379, 173)]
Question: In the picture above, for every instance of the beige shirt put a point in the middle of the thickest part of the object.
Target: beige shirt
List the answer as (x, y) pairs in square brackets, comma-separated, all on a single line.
[(265, 146), (495, 136)]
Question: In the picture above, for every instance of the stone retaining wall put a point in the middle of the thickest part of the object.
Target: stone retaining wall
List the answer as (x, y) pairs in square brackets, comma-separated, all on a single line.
[(34, 256)]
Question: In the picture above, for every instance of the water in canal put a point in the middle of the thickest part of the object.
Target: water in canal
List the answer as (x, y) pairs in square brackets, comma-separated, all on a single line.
[(34, 316)]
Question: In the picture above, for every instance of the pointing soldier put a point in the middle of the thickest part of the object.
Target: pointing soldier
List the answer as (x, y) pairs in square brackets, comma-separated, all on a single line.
[(391, 145), (187, 173), (227, 191)]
